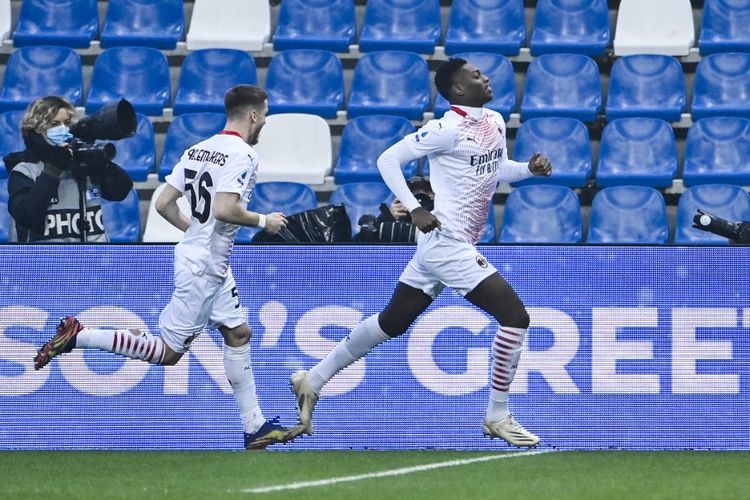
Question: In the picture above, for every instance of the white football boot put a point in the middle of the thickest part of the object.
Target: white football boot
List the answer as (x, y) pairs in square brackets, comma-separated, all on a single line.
[(510, 430), (306, 399)]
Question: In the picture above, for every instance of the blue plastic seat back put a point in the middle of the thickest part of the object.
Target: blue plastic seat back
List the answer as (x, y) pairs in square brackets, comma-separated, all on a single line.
[(185, 131), (363, 140), (574, 26), (39, 71), (726, 201), (305, 81), (489, 234), (123, 219), (11, 139), (722, 86), (725, 26), (5, 219), (717, 151), (500, 72), (153, 23), (315, 24), (412, 25), (139, 74), (640, 151), (628, 214), (562, 85), (496, 26), (288, 198), (565, 141), (207, 74), (647, 85), (361, 198), (392, 83), (137, 154), (542, 214), (71, 23)]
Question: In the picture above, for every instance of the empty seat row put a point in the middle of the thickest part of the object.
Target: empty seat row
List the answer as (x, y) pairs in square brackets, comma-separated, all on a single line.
[(389, 82), (532, 214), (297, 147)]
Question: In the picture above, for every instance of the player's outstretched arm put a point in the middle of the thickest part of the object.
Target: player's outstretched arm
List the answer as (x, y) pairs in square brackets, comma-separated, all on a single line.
[(228, 208), (166, 206)]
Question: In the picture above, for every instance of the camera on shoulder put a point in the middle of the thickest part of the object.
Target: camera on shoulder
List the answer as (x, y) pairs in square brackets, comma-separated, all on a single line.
[(111, 123)]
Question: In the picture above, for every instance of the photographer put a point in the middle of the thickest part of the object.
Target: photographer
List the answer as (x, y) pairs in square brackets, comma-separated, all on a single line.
[(394, 224), (51, 187)]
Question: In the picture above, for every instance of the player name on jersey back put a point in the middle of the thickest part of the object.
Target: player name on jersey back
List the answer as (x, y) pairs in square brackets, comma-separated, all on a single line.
[(206, 156)]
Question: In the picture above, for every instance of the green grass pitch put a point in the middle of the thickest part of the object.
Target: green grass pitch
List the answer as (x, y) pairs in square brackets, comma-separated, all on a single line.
[(207, 474)]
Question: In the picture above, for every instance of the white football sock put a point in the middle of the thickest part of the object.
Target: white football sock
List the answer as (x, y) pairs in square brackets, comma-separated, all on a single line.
[(506, 351), (240, 375), (143, 346), (363, 338)]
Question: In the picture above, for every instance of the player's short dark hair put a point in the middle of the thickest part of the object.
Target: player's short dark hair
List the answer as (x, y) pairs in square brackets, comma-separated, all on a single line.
[(240, 97), (445, 75)]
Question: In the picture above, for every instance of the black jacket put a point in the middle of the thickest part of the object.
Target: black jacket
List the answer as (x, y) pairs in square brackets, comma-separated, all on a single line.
[(29, 199)]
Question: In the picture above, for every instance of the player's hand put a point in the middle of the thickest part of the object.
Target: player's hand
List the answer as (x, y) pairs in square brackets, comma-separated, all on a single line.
[(275, 222), (424, 220), (398, 209), (540, 166)]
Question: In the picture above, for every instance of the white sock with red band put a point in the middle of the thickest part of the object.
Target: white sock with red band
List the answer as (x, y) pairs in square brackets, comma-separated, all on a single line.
[(506, 351), (240, 375), (143, 346), (363, 338)]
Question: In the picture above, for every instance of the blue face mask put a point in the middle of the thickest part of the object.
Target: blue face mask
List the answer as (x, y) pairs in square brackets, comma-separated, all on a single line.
[(59, 135)]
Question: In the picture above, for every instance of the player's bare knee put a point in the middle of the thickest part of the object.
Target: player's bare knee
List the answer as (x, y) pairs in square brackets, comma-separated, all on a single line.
[(237, 336), (518, 318)]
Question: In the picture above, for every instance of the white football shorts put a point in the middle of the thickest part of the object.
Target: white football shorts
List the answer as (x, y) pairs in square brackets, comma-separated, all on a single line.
[(198, 302), (441, 261)]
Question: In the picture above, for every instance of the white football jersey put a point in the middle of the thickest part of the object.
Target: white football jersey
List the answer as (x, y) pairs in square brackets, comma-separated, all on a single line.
[(468, 157), (223, 163)]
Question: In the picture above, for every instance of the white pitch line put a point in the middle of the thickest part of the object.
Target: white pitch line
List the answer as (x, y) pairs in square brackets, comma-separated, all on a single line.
[(392, 472)]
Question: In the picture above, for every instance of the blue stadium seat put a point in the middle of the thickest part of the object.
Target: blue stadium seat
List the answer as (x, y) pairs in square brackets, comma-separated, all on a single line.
[(500, 72), (185, 131), (717, 151), (123, 219), (315, 24), (567, 144), (205, 77), (542, 214), (648, 85), (640, 151), (153, 23), (496, 26), (40, 71), (305, 81), (562, 85), (412, 25), (361, 198), (363, 140), (726, 26), (137, 154), (71, 23), (725, 201), (139, 74), (5, 219), (489, 234), (573, 26), (286, 197), (628, 214), (390, 83), (10, 136), (722, 86)]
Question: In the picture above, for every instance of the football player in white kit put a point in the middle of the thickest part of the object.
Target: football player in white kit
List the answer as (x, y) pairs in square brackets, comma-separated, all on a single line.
[(218, 177), (468, 157)]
